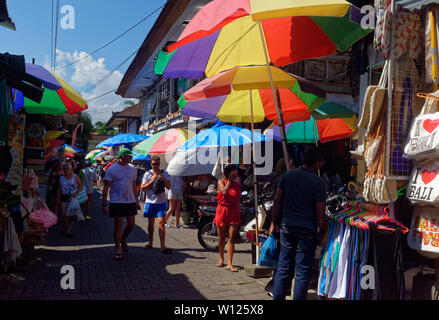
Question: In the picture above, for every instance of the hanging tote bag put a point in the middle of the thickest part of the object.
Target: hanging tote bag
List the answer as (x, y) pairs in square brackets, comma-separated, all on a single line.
[(424, 232), (423, 188), (423, 141), (44, 216)]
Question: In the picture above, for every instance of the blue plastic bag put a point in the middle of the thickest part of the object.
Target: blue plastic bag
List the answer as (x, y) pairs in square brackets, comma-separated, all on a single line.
[(269, 253)]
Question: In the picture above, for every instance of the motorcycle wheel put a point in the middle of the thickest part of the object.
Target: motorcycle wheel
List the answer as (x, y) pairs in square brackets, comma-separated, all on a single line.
[(208, 236)]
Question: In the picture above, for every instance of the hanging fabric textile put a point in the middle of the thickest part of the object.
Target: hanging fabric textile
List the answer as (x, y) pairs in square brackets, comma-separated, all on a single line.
[(362, 258)]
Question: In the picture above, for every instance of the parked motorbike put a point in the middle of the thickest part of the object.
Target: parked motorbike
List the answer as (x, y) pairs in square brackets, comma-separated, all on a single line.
[(208, 232)]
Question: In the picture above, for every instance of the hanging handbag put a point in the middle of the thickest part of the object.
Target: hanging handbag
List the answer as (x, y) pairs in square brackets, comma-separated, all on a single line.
[(424, 231), (399, 162), (423, 142), (423, 188)]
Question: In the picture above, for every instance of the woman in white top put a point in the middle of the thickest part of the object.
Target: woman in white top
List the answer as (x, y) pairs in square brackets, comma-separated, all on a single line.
[(69, 187)]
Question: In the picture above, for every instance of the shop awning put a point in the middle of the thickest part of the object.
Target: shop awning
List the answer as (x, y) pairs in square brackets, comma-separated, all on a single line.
[(415, 4), (5, 20)]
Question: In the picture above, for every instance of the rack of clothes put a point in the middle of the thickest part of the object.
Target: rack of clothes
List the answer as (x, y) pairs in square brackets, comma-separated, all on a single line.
[(362, 256)]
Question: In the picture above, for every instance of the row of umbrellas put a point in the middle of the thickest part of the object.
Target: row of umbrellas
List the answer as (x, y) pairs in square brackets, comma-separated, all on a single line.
[(226, 37)]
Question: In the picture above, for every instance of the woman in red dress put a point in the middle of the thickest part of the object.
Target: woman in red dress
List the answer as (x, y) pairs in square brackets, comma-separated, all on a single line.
[(227, 216)]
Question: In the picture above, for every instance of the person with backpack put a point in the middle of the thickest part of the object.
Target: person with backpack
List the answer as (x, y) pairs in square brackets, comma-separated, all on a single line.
[(154, 183)]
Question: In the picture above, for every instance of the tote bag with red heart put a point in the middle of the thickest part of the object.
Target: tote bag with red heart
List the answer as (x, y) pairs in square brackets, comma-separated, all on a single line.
[(423, 142), (423, 188)]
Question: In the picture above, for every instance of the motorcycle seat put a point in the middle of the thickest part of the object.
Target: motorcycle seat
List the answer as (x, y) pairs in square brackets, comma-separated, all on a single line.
[(207, 209)]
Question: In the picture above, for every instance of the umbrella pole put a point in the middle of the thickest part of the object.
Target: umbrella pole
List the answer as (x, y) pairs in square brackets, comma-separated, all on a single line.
[(315, 134), (255, 180), (276, 102)]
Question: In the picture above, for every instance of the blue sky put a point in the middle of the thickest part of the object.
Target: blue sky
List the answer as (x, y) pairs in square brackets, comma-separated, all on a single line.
[(96, 23)]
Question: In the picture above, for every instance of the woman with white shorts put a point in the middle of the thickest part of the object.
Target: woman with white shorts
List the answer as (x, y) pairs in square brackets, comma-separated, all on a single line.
[(175, 196)]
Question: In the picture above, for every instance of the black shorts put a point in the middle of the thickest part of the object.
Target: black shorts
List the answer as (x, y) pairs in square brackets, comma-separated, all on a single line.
[(123, 209), (65, 198)]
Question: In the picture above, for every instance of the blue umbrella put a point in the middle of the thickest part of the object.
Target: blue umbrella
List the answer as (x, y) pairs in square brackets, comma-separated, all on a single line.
[(186, 160), (122, 139), (141, 157), (222, 135)]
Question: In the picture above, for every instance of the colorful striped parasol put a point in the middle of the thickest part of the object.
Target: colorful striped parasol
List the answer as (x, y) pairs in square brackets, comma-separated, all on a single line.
[(166, 141), (224, 34), (234, 95), (58, 96)]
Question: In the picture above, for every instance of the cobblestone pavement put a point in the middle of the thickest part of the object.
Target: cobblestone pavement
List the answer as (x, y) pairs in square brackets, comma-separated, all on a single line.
[(189, 273)]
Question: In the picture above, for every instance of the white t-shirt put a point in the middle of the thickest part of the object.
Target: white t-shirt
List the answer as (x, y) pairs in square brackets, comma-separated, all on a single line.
[(89, 179), (121, 187), (151, 197)]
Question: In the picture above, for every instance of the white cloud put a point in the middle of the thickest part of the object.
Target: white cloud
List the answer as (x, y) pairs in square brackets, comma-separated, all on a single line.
[(83, 76)]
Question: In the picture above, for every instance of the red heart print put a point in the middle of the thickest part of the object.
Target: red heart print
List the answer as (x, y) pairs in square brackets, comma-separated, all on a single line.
[(430, 125), (428, 176)]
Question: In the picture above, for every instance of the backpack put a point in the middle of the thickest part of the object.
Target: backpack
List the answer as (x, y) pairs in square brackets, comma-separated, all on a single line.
[(158, 186)]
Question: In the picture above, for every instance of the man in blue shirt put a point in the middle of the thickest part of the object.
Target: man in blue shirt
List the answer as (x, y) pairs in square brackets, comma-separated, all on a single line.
[(303, 195)]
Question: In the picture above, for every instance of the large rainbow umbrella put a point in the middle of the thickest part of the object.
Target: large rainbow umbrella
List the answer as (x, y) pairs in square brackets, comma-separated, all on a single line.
[(166, 141), (243, 93), (225, 33), (58, 96)]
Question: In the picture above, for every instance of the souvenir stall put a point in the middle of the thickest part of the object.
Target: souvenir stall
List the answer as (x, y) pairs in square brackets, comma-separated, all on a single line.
[(22, 224), (396, 162)]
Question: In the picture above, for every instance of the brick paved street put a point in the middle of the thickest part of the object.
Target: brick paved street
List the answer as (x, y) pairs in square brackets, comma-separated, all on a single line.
[(188, 273)]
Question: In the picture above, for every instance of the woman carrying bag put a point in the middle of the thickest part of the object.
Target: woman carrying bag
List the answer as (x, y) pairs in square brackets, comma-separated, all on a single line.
[(69, 187)]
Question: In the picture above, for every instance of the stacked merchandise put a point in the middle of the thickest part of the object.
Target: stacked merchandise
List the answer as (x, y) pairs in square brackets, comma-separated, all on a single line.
[(362, 257), (423, 189)]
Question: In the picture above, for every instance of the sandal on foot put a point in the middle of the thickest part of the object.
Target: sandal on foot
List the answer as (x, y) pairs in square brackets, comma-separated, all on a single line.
[(220, 265), (124, 247), (232, 269), (148, 246), (118, 256), (166, 250)]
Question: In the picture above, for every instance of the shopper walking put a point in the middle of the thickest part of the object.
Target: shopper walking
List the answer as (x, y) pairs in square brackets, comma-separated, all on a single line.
[(69, 187), (52, 198), (154, 183), (120, 182), (175, 196), (227, 217), (89, 179), (302, 194)]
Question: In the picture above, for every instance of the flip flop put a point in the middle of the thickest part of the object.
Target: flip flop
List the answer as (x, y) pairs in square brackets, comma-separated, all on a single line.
[(167, 250), (118, 256), (232, 269), (148, 247), (124, 247), (220, 265)]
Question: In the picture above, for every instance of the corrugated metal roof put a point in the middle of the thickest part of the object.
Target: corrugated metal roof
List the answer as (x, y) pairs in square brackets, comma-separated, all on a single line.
[(415, 4)]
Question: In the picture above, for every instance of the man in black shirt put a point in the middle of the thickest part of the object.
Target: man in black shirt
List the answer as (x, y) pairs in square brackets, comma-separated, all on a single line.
[(303, 195)]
